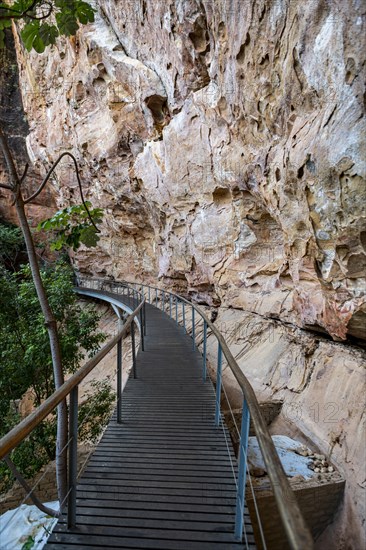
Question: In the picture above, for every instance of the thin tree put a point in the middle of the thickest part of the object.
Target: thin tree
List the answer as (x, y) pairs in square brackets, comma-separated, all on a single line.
[(38, 34)]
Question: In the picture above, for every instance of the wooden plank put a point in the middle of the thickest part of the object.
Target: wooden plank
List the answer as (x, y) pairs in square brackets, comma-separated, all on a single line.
[(146, 533), (159, 461), (65, 542), (162, 515), (114, 521), (189, 496), (215, 504), (144, 505), (164, 477)]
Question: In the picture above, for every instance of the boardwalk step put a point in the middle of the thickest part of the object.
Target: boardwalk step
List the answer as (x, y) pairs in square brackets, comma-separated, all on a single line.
[(165, 477)]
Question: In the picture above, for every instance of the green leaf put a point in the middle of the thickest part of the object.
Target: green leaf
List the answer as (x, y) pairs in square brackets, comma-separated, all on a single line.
[(58, 244), (46, 225), (29, 544), (65, 4), (84, 13), (21, 5), (4, 23), (73, 226), (89, 237), (31, 38), (26, 361), (38, 34), (67, 23), (48, 33)]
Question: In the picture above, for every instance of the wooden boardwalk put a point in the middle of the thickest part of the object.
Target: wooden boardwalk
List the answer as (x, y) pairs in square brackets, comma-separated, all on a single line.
[(162, 479)]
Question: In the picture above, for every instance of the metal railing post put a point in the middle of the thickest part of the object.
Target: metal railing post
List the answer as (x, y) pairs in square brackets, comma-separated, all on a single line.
[(170, 305), (176, 310), (295, 528), (218, 385), (119, 381), (156, 297), (144, 307), (133, 348), (184, 317), (240, 496), (149, 295), (204, 372), (193, 330), (73, 457), (164, 301), (142, 330)]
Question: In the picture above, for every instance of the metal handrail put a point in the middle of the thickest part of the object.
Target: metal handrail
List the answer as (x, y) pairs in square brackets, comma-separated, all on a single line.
[(12, 439), (22, 430), (298, 534)]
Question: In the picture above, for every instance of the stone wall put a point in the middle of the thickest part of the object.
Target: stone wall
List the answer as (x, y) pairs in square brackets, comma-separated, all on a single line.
[(322, 385), (15, 126)]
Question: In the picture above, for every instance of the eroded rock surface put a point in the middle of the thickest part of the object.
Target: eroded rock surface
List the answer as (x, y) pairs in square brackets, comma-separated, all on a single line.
[(224, 139), (322, 385)]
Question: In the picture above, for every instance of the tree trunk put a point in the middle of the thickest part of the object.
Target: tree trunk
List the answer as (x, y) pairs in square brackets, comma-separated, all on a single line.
[(50, 322)]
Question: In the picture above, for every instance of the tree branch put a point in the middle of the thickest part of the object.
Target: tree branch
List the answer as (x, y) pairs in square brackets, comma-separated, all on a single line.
[(15, 14), (48, 175), (9, 161), (25, 172), (61, 441), (27, 488)]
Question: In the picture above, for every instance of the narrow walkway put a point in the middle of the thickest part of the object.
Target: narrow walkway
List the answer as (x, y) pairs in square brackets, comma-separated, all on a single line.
[(162, 479)]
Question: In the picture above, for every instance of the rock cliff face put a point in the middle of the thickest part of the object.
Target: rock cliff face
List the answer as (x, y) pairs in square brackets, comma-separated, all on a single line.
[(15, 126), (225, 141), (322, 386)]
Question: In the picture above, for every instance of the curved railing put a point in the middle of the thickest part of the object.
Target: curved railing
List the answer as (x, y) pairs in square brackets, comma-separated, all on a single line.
[(297, 532), (70, 388)]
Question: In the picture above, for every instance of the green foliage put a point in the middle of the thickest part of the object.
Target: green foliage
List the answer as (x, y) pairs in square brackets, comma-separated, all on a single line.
[(29, 543), (4, 24), (96, 409), (11, 244), (72, 227), (26, 364), (43, 21)]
